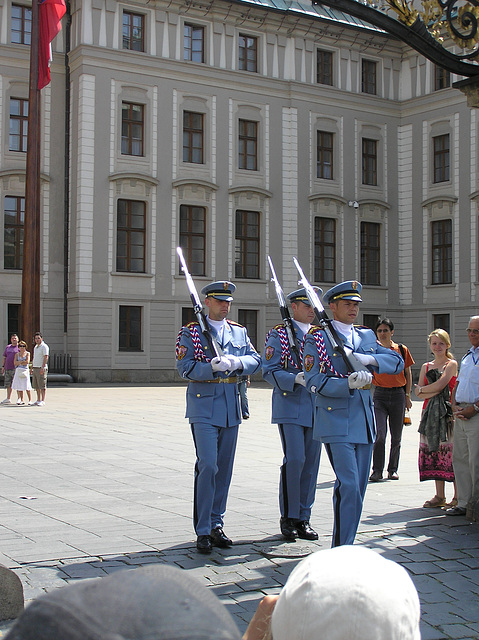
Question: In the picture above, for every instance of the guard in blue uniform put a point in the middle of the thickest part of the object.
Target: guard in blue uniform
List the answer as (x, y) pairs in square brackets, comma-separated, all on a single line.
[(213, 407), (293, 412), (344, 415)]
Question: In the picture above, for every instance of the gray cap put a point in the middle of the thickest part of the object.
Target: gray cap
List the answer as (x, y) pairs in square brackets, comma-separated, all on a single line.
[(150, 603)]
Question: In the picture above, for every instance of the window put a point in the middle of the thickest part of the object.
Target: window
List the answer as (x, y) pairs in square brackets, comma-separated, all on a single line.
[(370, 161), (194, 43), (370, 253), (21, 31), (130, 236), (130, 328), (441, 234), (249, 319), (368, 77), (324, 160), (133, 31), (13, 318), (324, 67), (193, 238), (441, 158), (324, 249), (247, 244), (442, 321), (187, 315), (248, 53), (442, 78), (18, 124), (132, 125), (193, 137), (14, 216), (370, 320), (248, 145)]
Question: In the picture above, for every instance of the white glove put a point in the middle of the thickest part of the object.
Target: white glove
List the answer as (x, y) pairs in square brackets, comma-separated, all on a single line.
[(359, 379), (220, 364), (235, 363), (365, 359), (299, 379)]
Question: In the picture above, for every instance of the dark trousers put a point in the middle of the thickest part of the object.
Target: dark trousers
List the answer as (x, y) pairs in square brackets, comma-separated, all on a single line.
[(389, 404)]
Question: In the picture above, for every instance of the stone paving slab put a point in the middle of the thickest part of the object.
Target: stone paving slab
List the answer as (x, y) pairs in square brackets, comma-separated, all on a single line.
[(100, 480)]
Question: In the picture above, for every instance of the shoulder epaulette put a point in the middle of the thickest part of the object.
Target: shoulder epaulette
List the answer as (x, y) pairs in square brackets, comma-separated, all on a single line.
[(193, 323), (234, 324), (361, 326), (278, 326), (314, 329)]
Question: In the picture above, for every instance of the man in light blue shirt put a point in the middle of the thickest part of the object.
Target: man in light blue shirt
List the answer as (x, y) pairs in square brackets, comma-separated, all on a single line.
[(465, 405)]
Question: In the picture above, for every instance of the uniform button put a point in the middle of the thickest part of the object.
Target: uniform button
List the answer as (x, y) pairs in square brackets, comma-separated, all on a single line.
[(198, 395), (330, 408), (284, 393)]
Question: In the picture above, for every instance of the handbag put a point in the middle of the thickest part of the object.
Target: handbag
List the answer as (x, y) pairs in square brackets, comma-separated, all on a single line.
[(22, 373), (407, 417)]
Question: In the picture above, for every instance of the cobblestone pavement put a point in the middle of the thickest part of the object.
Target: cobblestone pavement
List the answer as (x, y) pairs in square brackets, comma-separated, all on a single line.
[(101, 479)]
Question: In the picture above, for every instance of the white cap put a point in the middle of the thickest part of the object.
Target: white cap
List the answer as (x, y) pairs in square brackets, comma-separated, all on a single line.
[(347, 593)]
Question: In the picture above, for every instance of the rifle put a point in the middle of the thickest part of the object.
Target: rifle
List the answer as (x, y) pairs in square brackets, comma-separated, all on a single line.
[(283, 307), (351, 362), (198, 307)]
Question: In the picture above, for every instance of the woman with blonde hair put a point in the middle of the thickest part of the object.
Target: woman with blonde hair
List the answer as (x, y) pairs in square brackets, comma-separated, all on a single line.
[(21, 381), (436, 381)]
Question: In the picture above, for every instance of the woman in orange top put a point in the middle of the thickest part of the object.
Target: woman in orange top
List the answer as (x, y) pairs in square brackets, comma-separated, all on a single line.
[(392, 396)]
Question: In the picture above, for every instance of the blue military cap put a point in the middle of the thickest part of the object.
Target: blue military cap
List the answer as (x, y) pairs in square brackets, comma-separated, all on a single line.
[(300, 295), (349, 290), (221, 290)]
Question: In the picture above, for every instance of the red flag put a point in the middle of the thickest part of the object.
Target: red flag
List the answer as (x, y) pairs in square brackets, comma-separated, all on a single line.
[(50, 14)]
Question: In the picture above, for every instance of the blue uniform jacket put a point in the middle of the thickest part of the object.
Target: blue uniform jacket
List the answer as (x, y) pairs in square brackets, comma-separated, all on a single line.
[(291, 403), (213, 403), (343, 414)]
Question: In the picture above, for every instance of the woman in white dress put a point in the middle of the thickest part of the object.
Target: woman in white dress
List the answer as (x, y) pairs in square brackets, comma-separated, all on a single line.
[(21, 380)]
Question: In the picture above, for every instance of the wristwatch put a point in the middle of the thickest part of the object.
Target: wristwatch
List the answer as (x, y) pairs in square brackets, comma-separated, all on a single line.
[(476, 408)]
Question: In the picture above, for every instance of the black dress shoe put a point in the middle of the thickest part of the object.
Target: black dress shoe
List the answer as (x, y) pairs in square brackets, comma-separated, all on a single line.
[(288, 528), (393, 475), (305, 531), (203, 544), (376, 476), (219, 538)]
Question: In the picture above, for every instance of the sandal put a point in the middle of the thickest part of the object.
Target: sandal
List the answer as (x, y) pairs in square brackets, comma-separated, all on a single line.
[(451, 504), (436, 502)]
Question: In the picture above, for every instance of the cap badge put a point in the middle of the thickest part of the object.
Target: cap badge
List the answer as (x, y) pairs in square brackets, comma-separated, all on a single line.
[(225, 286), (354, 285)]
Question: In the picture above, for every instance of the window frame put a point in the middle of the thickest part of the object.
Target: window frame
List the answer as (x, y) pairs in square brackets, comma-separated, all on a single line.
[(245, 61), (370, 258), (322, 151), (189, 52), (22, 119), (441, 251), (319, 244), (324, 67), (192, 134), (130, 345), (442, 78), (245, 220), (25, 34), (129, 230), (369, 162), (131, 28), (249, 319), (18, 229), (247, 139), (186, 238), (369, 77), (441, 163), (130, 123)]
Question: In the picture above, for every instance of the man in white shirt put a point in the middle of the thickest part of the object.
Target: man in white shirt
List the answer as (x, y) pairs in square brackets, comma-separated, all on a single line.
[(465, 405), (40, 368)]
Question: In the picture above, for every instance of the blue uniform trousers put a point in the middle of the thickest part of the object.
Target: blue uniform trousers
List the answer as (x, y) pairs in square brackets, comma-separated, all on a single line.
[(299, 472), (215, 452), (351, 463)]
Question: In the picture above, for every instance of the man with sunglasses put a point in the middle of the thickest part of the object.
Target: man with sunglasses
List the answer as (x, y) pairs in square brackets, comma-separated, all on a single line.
[(465, 405)]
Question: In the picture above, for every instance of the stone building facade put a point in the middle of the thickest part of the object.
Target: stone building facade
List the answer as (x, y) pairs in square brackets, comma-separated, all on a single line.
[(238, 130)]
